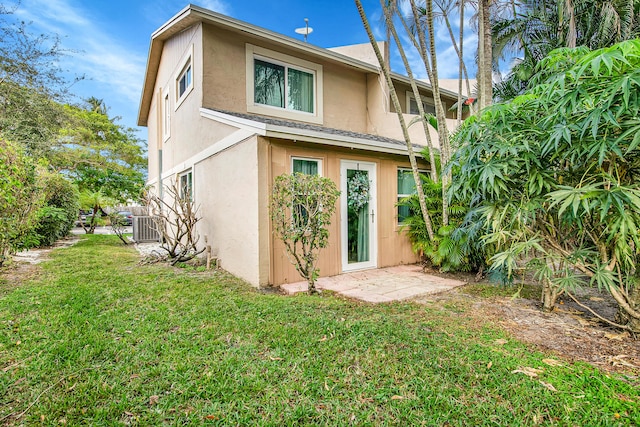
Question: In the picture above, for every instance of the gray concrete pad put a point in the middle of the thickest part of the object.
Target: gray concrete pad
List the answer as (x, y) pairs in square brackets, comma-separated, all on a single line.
[(380, 285)]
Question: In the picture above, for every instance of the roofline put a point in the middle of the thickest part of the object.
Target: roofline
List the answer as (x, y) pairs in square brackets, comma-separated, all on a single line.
[(193, 14), (303, 135)]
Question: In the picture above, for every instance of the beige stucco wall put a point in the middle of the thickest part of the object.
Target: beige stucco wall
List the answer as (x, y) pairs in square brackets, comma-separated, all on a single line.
[(383, 120), (363, 52), (189, 135), (344, 89), (154, 145), (232, 186), (227, 192)]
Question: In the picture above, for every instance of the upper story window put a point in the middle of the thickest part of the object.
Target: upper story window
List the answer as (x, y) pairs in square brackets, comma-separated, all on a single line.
[(184, 81), (283, 86), (428, 105), (184, 77)]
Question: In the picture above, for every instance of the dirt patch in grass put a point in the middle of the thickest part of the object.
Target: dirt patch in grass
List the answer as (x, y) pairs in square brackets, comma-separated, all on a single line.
[(24, 266), (568, 331)]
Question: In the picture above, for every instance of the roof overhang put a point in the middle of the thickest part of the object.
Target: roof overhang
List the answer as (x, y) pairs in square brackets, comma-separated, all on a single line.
[(192, 15), (305, 135)]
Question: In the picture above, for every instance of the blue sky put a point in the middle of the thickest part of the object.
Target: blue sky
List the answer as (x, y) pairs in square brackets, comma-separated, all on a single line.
[(109, 39)]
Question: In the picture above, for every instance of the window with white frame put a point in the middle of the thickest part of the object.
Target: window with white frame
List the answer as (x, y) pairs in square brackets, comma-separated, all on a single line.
[(184, 82), (282, 85), (406, 188), (306, 165), (428, 106), (185, 181), (166, 122)]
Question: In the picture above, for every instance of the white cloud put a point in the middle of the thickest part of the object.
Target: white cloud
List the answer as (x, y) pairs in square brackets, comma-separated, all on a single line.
[(216, 5), (114, 71)]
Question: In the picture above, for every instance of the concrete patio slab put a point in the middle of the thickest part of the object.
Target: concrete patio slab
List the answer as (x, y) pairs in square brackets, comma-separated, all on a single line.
[(380, 285)]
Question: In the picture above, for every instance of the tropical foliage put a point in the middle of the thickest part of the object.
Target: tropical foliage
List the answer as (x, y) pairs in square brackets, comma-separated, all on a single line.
[(553, 176), (74, 145), (301, 209), (455, 247), (536, 27), (99, 154)]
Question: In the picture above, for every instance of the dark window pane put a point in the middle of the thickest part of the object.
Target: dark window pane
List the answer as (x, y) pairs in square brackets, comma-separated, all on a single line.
[(309, 167), (269, 84)]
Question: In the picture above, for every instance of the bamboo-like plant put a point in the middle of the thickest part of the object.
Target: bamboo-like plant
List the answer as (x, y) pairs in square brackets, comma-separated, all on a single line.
[(554, 174)]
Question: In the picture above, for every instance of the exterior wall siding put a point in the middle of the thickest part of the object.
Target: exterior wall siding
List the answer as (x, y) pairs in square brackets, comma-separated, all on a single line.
[(232, 186), (394, 247)]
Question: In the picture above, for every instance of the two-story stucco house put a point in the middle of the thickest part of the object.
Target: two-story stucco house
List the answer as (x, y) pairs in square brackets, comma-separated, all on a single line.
[(229, 106)]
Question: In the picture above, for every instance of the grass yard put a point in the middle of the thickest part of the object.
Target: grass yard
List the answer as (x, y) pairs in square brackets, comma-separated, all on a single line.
[(96, 339)]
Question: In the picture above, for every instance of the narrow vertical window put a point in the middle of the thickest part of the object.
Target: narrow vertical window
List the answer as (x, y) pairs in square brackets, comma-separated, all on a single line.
[(185, 81), (406, 188), (307, 167), (186, 185)]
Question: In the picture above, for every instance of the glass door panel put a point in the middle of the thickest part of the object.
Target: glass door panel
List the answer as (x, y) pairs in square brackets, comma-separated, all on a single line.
[(358, 204)]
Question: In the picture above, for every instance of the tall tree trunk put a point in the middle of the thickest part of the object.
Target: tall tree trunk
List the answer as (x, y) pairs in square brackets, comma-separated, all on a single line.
[(461, 67), (391, 29), (485, 57), (431, 66), (403, 124), (571, 35)]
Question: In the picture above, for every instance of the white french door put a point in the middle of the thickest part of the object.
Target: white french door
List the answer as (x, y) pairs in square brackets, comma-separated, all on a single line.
[(358, 222)]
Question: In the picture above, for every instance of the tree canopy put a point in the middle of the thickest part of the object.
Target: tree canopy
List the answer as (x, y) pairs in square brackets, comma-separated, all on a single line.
[(99, 154), (81, 141)]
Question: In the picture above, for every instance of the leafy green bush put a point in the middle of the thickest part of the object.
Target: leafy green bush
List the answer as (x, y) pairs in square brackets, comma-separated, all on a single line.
[(57, 217), (301, 209), (455, 246), (20, 198), (556, 175)]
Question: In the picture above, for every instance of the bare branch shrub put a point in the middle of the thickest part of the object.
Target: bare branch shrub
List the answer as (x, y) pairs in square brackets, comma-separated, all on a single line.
[(175, 217), (118, 226)]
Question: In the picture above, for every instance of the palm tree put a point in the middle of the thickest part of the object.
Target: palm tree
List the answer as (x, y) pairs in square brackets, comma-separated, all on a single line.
[(96, 105), (389, 9), (485, 63), (447, 8), (405, 130), (539, 26)]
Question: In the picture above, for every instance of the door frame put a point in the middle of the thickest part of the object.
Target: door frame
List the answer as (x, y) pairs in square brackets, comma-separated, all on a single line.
[(370, 167)]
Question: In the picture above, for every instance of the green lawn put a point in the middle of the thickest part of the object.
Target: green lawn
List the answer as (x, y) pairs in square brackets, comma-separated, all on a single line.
[(98, 340)]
